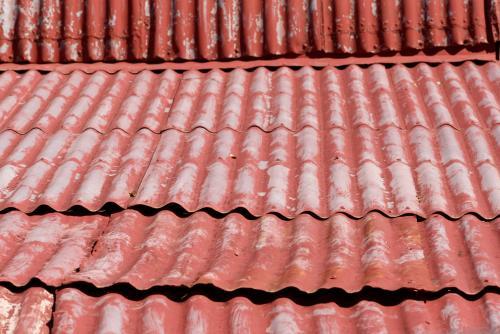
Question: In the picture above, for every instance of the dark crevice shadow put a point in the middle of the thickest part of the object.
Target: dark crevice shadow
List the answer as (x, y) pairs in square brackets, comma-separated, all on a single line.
[(111, 208), (432, 56), (335, 295)]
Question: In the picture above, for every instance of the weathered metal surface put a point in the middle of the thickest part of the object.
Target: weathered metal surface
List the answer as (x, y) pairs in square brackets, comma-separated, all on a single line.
[(267, 254), (460, 96), (158, 30), (79, 313), (354, 170), (25, 312)]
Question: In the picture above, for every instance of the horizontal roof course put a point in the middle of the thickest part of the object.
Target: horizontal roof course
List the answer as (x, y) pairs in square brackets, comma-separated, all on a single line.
[(79, 313), (268, 254), (421, 171), (376, 96), (152, 30)]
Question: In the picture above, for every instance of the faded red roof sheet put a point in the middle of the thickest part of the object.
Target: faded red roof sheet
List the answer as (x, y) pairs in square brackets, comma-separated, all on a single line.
[(95, 30), (79, 313), (389, 175), (460, 96), (267, 254), (354, 170), (25, 312), (419, 140)]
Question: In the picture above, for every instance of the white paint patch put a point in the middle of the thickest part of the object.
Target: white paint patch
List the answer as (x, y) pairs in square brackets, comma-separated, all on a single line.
[(7, 174), (113, 317), (283, 321), (9, 313), (490, 184), (277, 186), (272, 234), (245, 181), (411, 256), (450, 314), (308, 194), (460, 181), (340, 195), (196, 322), (370, 178), (308, 144), (377, 250), (215, 187), (252, 144)]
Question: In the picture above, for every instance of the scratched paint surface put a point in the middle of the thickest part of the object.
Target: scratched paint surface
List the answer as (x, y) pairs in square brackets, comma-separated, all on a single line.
[(354, 170), (25, 312), (460, 96), (350, 156), (153, 30), (268, 254), (419, 141), (79, 313)]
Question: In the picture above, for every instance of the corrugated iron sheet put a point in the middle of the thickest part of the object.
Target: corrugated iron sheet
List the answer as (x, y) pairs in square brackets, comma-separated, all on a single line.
[(155, 30), (267, 254), (25, 312), (354, 170), (460, 96), (79, 313)]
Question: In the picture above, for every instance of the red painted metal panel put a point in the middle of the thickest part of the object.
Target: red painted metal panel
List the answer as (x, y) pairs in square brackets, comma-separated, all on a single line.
[(159, 30), (79, 313), (267, 254), (25, 312), (352, 170), (460, 96)]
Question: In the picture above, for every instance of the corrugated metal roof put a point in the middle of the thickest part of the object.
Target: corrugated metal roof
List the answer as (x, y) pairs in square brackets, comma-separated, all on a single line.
[(459, 96), (95, 30), (425, 125), (78, 313), (352, 146), (25, 312), (354, 170), (267, 254)]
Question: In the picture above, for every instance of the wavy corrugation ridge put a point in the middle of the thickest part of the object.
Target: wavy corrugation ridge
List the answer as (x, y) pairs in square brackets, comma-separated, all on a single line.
[(377, 97), (151, 30), (268, 254), (79, 313), (25, 312), (354, 170)]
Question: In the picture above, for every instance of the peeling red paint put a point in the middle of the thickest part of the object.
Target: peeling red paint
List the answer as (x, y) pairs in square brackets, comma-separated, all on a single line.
[(239, 99), (388, 176), (79, 313), (267, 254), (154, 30), (25, 312), (419, 171)]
